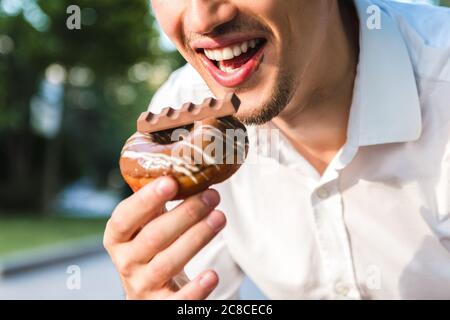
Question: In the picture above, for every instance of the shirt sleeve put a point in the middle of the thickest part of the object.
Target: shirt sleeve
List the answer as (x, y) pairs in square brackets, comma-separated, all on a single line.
[(186, 85)]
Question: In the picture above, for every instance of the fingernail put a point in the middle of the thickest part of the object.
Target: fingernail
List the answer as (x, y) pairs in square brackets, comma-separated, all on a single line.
[(208, 281), (210, 198), (216, 220), (165, 187)]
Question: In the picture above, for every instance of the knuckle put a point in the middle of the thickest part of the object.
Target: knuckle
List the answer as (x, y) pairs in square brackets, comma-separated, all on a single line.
[(138, 289), (193, 210), (153, 239), (117, 226), (199, 239), (124, 266), (107, 244), (160, 271)]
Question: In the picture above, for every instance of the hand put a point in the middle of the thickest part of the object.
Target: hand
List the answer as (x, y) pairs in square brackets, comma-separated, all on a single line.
[(149, 247)]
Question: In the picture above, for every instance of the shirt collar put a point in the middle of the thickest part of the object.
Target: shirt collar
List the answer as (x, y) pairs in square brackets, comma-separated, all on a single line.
[(386, 107)]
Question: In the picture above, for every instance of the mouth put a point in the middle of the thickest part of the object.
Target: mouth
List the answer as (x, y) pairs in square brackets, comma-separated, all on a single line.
[(232, 64)]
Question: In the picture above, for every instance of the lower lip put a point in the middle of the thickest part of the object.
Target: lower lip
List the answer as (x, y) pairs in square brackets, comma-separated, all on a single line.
[(235, 78)]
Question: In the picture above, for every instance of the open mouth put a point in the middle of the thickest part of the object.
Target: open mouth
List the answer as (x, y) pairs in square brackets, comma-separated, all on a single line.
[(231, 65)]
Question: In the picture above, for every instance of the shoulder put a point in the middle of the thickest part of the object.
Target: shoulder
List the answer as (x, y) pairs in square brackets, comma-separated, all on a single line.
[(183, 85), (426, 31)]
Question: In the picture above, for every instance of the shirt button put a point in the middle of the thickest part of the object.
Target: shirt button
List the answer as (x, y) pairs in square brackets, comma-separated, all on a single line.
[(323, 193), (341, 289)]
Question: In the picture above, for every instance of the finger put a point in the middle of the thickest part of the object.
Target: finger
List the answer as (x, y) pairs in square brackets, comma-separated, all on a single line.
[(141, 207), (199, 288), (161, 232), (164, 230), (168, 263)]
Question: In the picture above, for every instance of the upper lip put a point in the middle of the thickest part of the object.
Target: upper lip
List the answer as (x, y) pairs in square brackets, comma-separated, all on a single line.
[(224, 41)]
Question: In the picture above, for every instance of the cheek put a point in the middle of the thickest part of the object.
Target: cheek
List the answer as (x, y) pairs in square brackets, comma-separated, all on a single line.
[(278, 15), (169, 15), (274, 13)]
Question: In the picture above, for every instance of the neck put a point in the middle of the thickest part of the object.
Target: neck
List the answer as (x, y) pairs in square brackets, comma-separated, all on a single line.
[(316, 119)]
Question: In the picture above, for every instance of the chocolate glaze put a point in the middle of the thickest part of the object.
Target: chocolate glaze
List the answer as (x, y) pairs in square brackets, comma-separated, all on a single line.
[(144, 156)]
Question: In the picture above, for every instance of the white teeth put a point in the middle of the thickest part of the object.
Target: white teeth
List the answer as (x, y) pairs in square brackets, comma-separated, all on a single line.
[(226, 69), (237, 51), (228, 53), (218, 55), (208, 54), (244, 47)]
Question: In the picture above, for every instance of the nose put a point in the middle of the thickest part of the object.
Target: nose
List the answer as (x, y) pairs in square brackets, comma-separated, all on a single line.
[(203, 16)]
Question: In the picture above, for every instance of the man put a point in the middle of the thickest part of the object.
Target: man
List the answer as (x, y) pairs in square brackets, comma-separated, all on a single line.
[(354, 203)]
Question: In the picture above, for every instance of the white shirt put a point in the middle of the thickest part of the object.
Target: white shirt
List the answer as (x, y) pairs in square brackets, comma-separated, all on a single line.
[(376, 224)]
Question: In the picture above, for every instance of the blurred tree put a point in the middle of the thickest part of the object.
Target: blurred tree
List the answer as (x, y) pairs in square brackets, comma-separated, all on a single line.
[(107, 70)]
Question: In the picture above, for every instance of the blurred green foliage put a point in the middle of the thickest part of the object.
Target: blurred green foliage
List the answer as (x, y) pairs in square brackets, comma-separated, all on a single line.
[(111, 68), (26, 232)]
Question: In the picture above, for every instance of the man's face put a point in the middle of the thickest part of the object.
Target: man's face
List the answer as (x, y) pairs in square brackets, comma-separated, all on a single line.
[(259, 49)]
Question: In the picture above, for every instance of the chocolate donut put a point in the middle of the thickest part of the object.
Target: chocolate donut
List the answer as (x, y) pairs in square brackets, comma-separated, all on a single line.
[(197, 155)]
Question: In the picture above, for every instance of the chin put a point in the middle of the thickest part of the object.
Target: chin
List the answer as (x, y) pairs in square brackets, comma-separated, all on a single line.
[(254, 94), (250, 105)]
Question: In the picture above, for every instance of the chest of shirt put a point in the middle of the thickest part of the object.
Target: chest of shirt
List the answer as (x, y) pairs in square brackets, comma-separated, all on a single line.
[(384, 216)]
